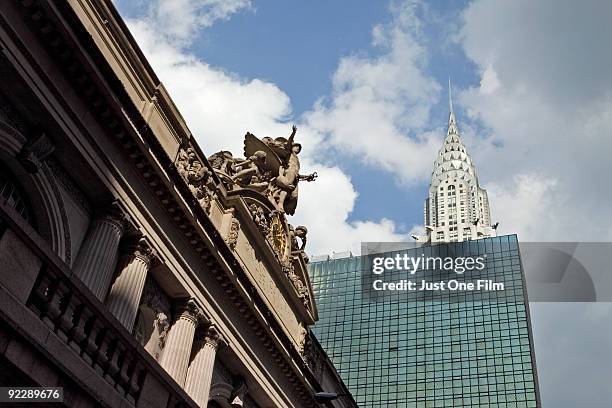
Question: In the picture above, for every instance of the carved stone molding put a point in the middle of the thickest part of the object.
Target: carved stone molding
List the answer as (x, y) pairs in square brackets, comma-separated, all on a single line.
[(300, 287)]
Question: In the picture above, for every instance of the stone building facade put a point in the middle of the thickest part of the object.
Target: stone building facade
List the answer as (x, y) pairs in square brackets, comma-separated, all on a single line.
[(133, 271)]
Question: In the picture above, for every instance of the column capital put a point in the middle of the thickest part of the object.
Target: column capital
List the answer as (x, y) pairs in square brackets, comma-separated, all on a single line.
[(139, 247), (212, 337), (114, 215), (191, 311)]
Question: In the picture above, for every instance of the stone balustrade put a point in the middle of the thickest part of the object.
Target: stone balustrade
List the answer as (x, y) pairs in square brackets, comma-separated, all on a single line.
[(73, 314)]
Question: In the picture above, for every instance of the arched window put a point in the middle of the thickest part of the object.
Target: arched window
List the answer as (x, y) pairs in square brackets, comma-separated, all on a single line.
[(12, 193)]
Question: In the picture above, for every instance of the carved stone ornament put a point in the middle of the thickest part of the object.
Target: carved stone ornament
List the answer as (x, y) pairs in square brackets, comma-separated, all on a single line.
[(310, 355), (260, 219), (239, 392), (35, 150), (162, 325), (154, 297), (298, 232), (298, 284), (197, 177), (232, 236)]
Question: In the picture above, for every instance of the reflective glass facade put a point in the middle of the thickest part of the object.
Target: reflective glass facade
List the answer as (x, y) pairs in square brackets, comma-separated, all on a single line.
[(465, 350)]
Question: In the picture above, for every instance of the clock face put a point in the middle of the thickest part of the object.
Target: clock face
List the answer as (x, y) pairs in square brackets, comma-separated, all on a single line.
[(278, 236)]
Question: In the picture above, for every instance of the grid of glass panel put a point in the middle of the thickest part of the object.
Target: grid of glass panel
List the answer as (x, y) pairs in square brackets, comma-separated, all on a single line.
[(394, 353)]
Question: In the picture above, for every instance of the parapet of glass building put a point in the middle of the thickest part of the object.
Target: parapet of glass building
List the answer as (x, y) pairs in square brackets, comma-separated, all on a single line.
[(430, 349)]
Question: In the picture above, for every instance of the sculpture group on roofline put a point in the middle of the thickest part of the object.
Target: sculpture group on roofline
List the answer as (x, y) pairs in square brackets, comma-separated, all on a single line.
[(271, 167)]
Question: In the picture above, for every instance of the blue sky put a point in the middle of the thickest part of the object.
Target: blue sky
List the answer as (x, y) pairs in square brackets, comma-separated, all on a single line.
[(297, 46), (366, 81)]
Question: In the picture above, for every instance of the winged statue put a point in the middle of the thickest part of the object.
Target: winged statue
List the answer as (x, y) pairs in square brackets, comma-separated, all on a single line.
[(271, 166)]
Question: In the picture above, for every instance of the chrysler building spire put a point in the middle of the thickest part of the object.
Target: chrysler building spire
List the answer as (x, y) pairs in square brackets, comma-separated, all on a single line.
[(457, 208), (450, 101), (452, 122)]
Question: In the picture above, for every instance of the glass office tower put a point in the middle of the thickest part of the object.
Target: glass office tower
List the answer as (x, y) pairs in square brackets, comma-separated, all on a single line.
[(451, 349)]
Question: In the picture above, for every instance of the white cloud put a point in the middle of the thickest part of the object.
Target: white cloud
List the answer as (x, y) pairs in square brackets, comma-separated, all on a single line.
[(380, 105), (525, 205), (220, 107), (178, 21), (489, 82), (546, 98)]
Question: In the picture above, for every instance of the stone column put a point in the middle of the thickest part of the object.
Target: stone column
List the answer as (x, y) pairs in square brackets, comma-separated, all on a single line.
[(176, 353), (124, 297), (96, 260), (199, 375)]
